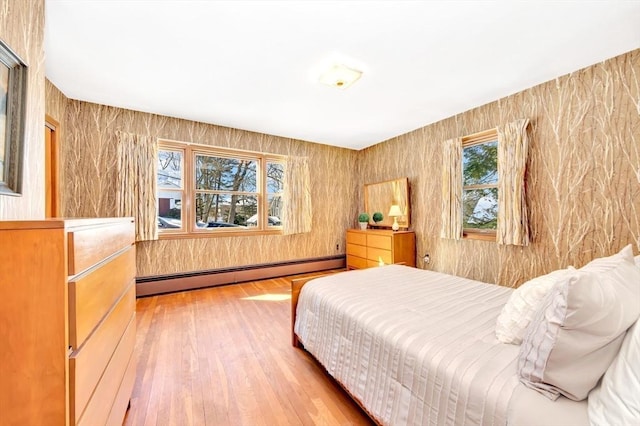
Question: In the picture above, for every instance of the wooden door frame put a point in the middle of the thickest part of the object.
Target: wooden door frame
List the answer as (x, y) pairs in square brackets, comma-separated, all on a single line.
[(52, 168)]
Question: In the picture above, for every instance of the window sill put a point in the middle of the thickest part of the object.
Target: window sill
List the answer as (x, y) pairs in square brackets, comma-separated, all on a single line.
[(216, 234), (482, 236)]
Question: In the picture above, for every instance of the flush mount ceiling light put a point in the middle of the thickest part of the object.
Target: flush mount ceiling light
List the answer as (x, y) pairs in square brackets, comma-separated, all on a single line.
[(340, 76)]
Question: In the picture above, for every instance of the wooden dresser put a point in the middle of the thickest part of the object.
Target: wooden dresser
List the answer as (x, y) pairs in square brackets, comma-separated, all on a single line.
[(367, 248), (67, 321)]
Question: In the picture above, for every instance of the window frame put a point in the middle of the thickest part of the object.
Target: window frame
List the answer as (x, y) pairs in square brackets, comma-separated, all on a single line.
[(189, 191), (490, 135), (179, 190)]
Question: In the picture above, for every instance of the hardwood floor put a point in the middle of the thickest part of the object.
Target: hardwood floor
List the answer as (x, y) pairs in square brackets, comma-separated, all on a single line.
[(223, 356)]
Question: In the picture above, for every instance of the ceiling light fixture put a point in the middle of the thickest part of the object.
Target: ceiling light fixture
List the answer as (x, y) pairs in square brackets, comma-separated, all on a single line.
[(340, 76)]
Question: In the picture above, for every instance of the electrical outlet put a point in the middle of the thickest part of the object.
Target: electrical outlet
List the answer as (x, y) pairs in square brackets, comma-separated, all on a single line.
[(338, 247), (426, 258)]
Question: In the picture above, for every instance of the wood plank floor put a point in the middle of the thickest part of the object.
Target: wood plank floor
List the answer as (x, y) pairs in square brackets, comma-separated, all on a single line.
[(222, 356)]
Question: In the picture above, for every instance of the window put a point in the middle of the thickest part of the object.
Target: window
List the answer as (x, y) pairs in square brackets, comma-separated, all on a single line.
[(483, 185), (206, 190), (170, 188), (480, 185), (275, 179)]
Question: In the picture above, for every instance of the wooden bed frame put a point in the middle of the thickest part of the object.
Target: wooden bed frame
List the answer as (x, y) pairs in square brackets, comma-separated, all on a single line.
[(296, 286)]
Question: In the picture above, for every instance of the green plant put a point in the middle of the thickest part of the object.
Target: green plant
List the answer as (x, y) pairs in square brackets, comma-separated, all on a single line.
[(363, 217), (377, 217)]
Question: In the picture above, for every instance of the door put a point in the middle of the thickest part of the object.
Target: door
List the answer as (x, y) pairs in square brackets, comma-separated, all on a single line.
[(51, 152)]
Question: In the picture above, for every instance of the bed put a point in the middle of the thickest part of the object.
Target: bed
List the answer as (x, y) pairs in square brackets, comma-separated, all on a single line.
[(415, 347)]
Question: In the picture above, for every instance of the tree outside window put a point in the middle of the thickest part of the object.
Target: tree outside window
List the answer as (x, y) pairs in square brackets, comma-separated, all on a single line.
[(275, 187), (225, 190), (480, 186), (170, 189)]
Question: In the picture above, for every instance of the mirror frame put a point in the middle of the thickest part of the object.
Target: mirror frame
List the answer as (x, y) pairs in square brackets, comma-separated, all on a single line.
[(380, 196), (13, 91)]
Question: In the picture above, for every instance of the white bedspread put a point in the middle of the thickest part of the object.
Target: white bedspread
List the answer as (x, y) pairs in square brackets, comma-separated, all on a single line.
[(414, 347)]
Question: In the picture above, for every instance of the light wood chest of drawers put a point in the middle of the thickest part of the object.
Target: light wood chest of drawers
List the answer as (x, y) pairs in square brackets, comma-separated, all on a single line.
[(367, 248), (67, 310)]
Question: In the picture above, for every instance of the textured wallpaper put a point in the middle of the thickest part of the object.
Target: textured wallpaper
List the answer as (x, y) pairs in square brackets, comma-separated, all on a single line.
[(583, 174), (89, 186), (583, 178), (22, 29)]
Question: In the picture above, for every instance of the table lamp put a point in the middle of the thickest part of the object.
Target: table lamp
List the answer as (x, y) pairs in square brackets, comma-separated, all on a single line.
[(395, 212)]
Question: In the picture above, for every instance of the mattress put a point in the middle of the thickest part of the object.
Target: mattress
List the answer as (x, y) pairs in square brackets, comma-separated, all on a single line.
[(414, 347)]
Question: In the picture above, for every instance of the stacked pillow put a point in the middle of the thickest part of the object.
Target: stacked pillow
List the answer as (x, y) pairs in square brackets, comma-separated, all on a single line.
[(616, 401), (523, 303), (579, 327)]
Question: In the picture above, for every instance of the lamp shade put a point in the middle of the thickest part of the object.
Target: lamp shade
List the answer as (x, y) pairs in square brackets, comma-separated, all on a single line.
[(395, 211)]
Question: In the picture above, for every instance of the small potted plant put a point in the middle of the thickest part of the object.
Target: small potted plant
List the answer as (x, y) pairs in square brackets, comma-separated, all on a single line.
[(377, 217), (363, 218)]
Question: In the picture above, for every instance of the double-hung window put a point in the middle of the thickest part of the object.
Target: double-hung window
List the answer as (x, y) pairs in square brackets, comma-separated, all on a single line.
[(480, 180), (205, 190), (170, 188), (483, 185)]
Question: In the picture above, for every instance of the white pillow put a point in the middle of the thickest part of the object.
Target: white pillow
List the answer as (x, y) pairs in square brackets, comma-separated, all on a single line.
[(615, 401), (637, 258), (604, 263), (575, 336), (523, 304)]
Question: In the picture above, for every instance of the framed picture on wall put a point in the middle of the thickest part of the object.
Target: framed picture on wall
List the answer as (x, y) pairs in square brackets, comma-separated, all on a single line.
[(13, 90)]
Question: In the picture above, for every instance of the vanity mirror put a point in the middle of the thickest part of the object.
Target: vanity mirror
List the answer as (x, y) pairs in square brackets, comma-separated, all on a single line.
[(381, 196)]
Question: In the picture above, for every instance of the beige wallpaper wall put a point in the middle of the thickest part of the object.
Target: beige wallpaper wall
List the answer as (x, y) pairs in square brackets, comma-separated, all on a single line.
[(584, 170), (89, 186), (583, 178), (583, 174), (22, 29)]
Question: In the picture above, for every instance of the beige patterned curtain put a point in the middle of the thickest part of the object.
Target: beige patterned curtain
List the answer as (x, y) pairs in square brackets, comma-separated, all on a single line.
[(452, 189), (137, 165), (513, 226), (297, 213)]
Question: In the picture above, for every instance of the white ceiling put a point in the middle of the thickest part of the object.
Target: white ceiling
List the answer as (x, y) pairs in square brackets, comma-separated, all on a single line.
[(254, 65)]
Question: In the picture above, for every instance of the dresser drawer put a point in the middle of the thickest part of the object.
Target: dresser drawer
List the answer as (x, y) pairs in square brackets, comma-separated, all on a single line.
[(357, 238), (355, 262), (379, 241), (92, 295), (376, 255), (87, 364), (91, 245), (356, 250), (99, 405), (121, 402), (379, 245)]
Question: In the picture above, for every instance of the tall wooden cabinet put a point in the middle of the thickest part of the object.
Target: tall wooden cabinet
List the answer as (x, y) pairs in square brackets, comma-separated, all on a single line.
[(370, 247), (67, 321)]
